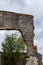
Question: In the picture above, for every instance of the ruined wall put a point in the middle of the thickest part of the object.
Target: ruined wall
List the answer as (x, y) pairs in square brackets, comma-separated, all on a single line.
[(22, 22)]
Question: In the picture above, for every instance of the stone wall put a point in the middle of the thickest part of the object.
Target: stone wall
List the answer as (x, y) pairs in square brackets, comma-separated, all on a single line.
[(32, 61), (39, 58), (22, 22)]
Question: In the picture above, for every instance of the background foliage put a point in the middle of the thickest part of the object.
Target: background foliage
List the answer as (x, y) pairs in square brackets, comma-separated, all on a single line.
[(13, 48)]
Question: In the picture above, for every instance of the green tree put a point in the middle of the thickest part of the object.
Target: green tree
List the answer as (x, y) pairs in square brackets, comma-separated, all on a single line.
[(13, 48)]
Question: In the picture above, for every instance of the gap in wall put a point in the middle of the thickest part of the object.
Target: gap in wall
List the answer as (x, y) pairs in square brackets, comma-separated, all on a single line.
[(3, 34)]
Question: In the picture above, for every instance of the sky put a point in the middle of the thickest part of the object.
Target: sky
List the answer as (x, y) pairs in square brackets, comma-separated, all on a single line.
[(33, 7)]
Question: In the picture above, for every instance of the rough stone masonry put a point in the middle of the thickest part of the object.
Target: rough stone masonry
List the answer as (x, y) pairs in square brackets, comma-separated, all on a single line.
[(25, 24)]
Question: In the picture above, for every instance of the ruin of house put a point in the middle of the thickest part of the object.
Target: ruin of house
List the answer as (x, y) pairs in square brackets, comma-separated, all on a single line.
[(25, 24)]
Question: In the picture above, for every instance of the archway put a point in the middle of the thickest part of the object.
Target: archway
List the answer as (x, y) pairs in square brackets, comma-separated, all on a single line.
[(22, 22), (16, 33)]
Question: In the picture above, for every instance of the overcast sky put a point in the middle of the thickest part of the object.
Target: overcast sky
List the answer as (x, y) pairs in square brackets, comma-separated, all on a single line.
[(34, 7)]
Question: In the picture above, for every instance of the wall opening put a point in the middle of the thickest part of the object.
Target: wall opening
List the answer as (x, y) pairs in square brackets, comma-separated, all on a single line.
[(16, 33), (3, 34)]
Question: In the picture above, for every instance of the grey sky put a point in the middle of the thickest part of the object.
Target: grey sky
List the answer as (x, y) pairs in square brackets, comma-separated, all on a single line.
[(34, 7)]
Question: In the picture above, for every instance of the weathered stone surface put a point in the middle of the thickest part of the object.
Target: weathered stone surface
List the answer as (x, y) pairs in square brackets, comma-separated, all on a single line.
[(32, 61), (24, 23), (39, 58), (21, 22)]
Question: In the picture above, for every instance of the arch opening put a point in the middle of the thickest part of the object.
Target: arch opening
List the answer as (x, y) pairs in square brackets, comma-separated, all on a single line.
[(18, 34)]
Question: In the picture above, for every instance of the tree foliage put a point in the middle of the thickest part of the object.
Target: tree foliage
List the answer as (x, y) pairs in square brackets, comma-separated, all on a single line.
[(13, 47)]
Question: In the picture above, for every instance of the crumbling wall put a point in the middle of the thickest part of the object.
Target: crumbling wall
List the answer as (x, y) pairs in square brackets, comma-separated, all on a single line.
[(22, 22)]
